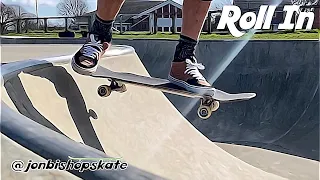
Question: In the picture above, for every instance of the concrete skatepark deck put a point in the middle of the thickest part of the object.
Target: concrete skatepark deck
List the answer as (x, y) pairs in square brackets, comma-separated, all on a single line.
[(150, 134)]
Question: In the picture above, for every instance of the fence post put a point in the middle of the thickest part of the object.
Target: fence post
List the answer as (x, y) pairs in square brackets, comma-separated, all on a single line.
[(27, 25), (66, 24), (89, 22), (45, 24), (19, 26), (151, 23), (155, 23), (209, 23), (121, 32), (173, 26)]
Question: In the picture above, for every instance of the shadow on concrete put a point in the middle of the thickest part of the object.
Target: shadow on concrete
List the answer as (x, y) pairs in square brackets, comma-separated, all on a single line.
[(23, 104), (67, 88)]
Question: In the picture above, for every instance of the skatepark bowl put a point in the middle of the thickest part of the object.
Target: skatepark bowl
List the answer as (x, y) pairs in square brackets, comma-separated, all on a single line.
[(49, 112)]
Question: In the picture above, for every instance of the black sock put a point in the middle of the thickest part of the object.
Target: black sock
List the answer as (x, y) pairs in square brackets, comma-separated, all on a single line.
[(185, 49), (102, 28)]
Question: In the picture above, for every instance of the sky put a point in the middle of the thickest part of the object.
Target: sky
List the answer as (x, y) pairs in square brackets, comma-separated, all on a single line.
[(48, 7)]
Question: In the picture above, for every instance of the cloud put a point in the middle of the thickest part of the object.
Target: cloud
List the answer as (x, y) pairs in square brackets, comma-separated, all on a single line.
[(31, 2)]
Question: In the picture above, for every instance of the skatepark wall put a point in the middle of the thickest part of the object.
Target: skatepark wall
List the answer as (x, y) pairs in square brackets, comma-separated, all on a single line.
[(54, 146), (153, 137), (284, 117), (64, 116), (27, 136)]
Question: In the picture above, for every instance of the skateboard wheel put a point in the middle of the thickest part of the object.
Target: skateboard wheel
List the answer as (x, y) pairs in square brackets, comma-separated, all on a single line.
[(122, 88), (204, 112), (215, 106), (104, 91)]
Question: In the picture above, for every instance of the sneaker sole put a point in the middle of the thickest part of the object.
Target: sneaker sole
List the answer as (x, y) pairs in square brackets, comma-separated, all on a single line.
[(192, 88), (80, 70)]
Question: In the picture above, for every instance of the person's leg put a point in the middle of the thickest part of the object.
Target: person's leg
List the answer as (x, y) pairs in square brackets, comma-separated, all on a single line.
[(186, 72), (99, 39), (108, 9), (194, 13)]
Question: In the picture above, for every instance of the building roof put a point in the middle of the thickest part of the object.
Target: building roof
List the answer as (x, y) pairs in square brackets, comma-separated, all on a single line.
[(133, 7), (136, 7), (130, 8), (255, 4)]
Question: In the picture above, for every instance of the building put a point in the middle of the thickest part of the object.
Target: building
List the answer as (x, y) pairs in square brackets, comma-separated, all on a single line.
[(316, 24), (316, 9), (144, 15), (140, 16)]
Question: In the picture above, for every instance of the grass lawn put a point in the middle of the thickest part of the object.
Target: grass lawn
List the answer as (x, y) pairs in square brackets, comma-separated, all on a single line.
[(314, 34)]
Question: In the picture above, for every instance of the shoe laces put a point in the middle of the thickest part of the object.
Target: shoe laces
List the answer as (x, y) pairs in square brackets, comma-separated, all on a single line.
[(92, 48), (192, 68)]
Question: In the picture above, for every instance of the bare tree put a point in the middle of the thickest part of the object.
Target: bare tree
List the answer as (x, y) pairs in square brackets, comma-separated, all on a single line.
[(7, 13), (304, 2), (72, 7), (13, 17), (6, 16), (305, 6)]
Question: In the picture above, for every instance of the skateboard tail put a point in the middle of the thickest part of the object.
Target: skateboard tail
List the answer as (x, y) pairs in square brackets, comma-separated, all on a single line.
[(227, 97)]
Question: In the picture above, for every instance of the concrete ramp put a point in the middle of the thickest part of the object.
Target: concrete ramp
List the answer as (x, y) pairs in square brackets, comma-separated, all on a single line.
[(13, 151), (140, 126)]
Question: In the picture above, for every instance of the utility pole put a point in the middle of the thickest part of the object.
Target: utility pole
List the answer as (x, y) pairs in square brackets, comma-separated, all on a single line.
[(37, 14), (37, 8)]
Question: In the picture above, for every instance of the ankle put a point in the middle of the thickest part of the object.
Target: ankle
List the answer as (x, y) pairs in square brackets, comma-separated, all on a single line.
[(103, 20), (102, 28), (188, 39), (185, 49)]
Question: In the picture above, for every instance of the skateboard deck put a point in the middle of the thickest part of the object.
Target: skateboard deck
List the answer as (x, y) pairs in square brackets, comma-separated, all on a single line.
[(209, 102), (165, 85)]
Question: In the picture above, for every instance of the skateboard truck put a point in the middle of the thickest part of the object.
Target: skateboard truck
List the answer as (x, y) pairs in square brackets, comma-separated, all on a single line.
[(105, 90), (207, 106)]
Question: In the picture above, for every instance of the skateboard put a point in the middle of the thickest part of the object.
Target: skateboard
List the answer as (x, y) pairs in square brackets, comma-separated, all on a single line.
[(209, 102)]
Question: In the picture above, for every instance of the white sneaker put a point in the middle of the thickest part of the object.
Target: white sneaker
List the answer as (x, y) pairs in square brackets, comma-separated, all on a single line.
[(85, 61)]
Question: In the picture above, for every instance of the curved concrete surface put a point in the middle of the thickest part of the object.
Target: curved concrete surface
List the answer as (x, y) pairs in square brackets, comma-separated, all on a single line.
[(282, 121), (141, 125), (11, 151), (56, 147), (36, 136)]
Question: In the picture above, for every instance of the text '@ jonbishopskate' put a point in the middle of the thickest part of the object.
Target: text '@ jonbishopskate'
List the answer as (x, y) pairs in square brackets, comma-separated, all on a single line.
[(19, 165)]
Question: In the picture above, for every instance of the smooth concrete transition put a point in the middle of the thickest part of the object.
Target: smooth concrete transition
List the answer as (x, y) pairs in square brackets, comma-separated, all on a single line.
[(146, 129), (285, 75), (11, 151), (125, 125), (284, 117)]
